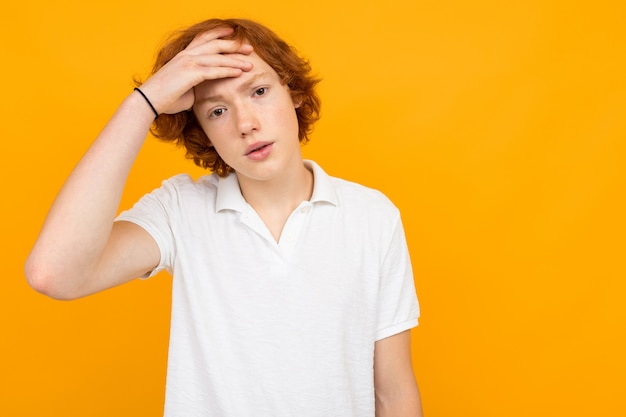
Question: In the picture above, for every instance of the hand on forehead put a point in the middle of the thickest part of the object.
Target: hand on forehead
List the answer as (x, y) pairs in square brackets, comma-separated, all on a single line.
[(219, 89)]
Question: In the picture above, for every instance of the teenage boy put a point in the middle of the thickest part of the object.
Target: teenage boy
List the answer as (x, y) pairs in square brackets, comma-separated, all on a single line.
[(293, 293)]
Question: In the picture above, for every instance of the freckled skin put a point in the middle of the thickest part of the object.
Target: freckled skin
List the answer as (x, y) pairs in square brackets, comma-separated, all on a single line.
[(251, 111)]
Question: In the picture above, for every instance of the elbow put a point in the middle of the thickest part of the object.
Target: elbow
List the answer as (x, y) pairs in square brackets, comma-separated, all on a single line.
[(44, 281)]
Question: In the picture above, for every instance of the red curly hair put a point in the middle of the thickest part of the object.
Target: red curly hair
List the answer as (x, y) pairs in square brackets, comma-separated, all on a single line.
[(295, 72)]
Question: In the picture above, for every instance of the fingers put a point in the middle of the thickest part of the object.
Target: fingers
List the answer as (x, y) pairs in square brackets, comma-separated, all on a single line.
[(220, 61), (207, 57), (212, 42), (208, 49), (210, 35), (216, 57)]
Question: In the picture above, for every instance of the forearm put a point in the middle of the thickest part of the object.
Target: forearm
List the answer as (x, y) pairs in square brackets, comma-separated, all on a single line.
[(79, 251), (405, 404), (79, 222), (395, 388)]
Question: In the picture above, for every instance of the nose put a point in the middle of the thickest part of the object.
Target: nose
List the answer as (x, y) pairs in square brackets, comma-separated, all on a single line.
[(247, 120)]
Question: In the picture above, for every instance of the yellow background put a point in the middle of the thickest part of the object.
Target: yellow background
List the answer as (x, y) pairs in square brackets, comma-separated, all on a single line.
[(497, 127)]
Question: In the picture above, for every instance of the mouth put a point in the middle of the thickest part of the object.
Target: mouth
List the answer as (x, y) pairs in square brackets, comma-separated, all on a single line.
[(256, 147)]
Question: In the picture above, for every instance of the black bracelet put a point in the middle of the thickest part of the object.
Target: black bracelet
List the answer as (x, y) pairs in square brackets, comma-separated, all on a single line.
[(156, 113)]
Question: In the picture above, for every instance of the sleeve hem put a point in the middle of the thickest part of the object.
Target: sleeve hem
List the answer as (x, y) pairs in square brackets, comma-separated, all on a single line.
[(124, 217), (396, 328)]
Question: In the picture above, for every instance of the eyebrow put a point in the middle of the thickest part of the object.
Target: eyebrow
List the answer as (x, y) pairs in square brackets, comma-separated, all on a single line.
[(243, 87)]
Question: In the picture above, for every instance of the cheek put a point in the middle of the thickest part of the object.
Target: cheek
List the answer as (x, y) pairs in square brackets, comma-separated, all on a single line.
[(206, 131), (215, 130)]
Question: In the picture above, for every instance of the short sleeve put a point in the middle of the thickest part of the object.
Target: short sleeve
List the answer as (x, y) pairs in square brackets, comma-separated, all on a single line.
[(398, 307), (153, 212)]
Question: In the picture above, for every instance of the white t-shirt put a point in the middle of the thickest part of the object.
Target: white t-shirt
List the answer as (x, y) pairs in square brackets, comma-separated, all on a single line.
[(265, 328)]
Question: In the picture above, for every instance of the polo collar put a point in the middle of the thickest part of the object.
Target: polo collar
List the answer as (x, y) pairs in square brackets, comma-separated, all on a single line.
[(229, 195), (323, 187)]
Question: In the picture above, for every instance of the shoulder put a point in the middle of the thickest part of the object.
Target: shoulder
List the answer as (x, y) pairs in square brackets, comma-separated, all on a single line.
[(368, 216), (350, 196), (357, 197), (183, 185), (177, 192), (186, 182)]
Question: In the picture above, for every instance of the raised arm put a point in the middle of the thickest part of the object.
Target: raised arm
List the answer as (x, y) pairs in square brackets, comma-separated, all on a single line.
[(80, 250)]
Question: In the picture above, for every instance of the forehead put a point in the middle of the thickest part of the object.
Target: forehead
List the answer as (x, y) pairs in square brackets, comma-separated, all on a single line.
[(260, 72)]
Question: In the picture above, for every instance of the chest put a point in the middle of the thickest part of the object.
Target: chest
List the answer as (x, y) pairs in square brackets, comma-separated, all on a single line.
[(321, 265)]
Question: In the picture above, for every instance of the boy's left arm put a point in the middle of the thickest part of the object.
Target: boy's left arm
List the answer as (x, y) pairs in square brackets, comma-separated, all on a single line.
[(397, 394)]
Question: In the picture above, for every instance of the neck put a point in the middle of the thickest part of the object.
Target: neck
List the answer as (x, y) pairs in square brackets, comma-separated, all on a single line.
[(285, 192), (275, 200)]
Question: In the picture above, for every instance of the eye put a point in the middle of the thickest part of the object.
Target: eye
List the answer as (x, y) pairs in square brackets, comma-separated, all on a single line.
[(260, 91), (217, 112)]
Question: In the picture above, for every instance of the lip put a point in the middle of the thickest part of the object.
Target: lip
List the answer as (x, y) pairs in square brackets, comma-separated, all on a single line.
[(257, 146)]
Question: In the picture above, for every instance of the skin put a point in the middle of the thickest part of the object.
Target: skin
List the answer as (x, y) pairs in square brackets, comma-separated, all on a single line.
[(250, 112), (81, 250), (396, 390)]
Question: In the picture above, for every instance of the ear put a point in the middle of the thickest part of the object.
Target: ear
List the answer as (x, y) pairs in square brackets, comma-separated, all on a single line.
[(297, 101)]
